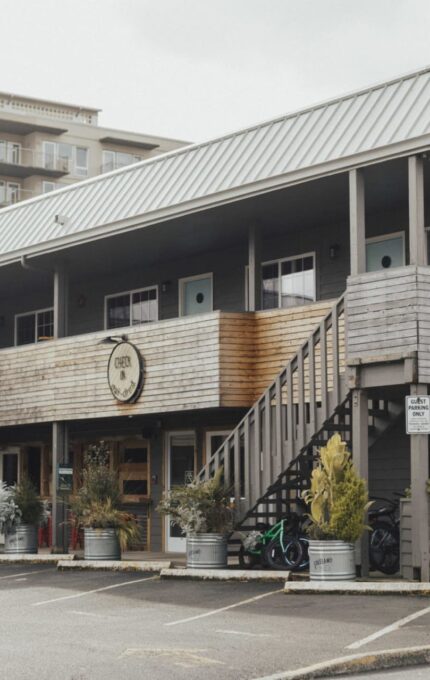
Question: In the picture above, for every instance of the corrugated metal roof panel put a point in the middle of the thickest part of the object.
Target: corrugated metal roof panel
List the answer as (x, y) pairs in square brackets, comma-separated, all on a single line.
[(360, 122)]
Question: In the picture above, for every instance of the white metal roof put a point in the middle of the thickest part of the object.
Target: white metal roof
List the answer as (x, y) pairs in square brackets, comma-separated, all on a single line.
[(378, 122)]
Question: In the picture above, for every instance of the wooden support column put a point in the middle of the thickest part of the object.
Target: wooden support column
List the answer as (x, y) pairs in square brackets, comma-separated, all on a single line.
[(60, 454), (60, 301), (360, 455), (417, 232), (254, 268), (420, 498), (357, 222)]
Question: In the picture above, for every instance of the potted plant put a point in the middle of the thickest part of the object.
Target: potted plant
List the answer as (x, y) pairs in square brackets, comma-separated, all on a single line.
[(96, 509), (338, 501), (202, 511), (21, 512)]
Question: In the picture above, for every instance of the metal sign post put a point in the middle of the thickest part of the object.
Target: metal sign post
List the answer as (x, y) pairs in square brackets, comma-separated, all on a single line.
[(64, 489)]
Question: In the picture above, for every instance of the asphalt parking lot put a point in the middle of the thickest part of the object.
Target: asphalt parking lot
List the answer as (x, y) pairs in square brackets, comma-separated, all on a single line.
[(105, 625)]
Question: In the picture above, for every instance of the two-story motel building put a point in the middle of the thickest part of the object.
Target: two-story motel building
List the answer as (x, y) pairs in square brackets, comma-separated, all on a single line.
[(225, 265)]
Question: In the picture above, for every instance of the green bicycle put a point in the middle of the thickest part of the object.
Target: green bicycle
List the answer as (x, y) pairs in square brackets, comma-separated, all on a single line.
[(282, 546)]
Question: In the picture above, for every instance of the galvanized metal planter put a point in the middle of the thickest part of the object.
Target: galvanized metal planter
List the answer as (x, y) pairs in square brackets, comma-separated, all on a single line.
[(206, 551), (22, 540), (331, 561), (101, 544)]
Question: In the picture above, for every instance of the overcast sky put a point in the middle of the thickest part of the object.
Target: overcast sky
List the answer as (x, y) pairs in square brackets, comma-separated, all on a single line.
[(193, 69)]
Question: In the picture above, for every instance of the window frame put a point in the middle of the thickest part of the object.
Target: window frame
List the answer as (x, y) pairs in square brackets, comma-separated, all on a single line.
[(279, 261), (36, 312), (129, 293), (185, 279)]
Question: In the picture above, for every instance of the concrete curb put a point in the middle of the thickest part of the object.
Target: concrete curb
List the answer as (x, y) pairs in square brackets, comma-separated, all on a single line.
[(35, 559), (357, 588), (113, 565), (358, 663), (226, 575)]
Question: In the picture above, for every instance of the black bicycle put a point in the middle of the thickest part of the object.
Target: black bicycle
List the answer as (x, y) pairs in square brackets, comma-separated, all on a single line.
[(384, 538)]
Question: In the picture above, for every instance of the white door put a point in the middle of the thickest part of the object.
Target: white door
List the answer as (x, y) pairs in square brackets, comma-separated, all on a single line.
[(195, 295), (180, 470)]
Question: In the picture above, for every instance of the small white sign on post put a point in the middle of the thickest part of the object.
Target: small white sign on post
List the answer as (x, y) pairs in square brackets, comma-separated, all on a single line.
[(418, 415)]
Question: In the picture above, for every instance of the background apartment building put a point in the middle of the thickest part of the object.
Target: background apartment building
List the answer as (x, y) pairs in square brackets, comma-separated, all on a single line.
[(46, 145)]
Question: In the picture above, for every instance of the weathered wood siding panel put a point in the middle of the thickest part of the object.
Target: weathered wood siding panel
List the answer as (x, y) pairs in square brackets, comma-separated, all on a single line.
[(256, 346), (205, 361), (66, 379), (423, 299), (279, 334), (389, 313), (382, 313)]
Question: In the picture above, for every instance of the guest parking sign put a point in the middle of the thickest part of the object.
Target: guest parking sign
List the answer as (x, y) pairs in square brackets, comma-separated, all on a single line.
[(418, 415)]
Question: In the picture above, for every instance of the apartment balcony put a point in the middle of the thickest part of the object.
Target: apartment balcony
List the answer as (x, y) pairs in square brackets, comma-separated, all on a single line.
[(219, 359), (16, 161), (116, 165), (10, 198)]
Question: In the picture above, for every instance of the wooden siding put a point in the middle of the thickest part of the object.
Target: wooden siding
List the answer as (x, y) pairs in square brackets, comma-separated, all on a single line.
[(382, 313), (204, 361), (388, 313), (66, 379), (256, 346)]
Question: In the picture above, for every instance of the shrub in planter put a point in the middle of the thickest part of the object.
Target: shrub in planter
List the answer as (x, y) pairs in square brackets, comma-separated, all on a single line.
[(338, 500), (203, 512), (95, 508), (21, 512)]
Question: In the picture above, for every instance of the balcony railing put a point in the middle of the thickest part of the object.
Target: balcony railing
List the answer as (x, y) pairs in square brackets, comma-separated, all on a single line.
[(13, 155), (7, 198), (116, 165)]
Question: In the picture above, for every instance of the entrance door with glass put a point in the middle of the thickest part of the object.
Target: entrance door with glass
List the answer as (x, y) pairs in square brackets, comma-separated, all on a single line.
[(180, 470)]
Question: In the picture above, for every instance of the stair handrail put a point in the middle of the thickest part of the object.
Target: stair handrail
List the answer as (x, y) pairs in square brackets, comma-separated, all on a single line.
[(264, 403)]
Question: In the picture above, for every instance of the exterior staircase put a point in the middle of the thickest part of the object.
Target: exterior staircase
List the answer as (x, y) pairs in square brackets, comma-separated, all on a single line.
[(268, 458)]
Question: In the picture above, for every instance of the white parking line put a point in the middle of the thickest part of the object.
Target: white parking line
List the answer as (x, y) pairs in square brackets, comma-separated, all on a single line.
[(224, 609), (389, 629), (24, 573), (223, 631), (91, 592)]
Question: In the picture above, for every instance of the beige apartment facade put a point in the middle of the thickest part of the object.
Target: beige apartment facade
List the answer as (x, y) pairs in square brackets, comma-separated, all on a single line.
[(47, 145)]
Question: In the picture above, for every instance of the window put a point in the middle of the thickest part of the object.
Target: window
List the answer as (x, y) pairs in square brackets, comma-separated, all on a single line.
[(112, 160), (48, 186), (65, 157), (132, 308), (384, 252), (81, 162), (9, 192), (285, 283), (10, 152), (34, 327)]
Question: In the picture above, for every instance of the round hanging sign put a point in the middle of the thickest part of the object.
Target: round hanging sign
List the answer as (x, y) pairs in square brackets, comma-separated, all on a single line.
[(125, 372)]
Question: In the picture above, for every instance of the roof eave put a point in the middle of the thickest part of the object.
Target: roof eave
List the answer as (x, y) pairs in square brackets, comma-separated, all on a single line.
[(385, 153)]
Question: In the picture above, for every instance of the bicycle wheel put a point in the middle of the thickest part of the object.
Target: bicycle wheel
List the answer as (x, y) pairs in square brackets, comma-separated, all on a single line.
[(288, 558), (384, 548), (247, 560), (304, 564)]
